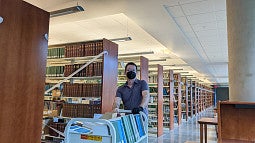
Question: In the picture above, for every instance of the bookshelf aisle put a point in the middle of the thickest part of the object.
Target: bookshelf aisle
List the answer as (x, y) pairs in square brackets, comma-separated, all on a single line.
[(168, 98), (194, 97), (89, 91), (190, 98), (156, 102), (184, 100), (177, 96)]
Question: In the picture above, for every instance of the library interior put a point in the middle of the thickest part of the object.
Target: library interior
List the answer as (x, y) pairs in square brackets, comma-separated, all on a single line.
[(127, 71)]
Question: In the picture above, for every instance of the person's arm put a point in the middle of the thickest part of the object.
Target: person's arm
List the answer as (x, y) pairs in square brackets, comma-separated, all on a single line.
[(146, 98), (117, 101), (116, 104)]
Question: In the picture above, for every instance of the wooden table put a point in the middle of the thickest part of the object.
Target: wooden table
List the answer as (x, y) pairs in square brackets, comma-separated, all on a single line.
[(203, 126)]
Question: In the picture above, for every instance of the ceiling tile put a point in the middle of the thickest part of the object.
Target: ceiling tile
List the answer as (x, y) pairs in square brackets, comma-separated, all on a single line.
[(175, 11), (198, 7), (204, 26), (207, 33), (201, 18), (220, 15), (219, 5), (222, 24), (188, 1)]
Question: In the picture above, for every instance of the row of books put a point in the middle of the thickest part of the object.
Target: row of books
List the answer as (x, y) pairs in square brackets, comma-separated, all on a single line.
[(82, 90), (85, 49), (58, 126), (56, 71), (93, 69), (83, 101), (56, 53), (129, 128), (80, 110)]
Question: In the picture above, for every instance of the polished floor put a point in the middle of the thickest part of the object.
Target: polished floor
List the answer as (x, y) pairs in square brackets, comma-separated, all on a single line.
[(187, 132)]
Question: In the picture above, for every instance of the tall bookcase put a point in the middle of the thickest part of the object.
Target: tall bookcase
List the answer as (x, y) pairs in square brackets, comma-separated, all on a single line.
[(190, 98), (185, 98), (177, 95), (23, 51), (92, 90), (169, 99), (156, 110)]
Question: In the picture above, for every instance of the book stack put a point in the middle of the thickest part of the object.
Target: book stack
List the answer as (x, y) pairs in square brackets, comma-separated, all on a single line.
[(56, 71), (55, 53), (93, 69), (84, 49), (82, 90), (80, 110)]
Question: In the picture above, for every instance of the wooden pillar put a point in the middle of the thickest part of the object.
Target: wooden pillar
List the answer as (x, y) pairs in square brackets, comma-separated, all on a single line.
[(160, 100), (23, 52), (171, 96), (144, 71)]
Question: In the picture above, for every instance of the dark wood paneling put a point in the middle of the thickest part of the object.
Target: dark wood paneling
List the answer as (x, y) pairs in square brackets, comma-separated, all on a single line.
[(236, 122), (160, 100), (23, 51), (110, 74), (144, 69), (171, 96)]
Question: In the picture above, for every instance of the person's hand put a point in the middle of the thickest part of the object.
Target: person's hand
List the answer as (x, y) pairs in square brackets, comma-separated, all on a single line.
[(137, 110)]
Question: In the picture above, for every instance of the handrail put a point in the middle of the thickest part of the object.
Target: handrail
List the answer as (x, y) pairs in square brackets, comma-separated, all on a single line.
[(71, 75)]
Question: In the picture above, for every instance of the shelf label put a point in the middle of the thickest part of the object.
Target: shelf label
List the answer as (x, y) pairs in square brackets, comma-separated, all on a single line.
[(91, 137)]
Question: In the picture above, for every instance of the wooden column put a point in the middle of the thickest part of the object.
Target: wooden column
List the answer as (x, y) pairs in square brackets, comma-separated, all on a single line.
[(23, 52), (160, 100), (144, 72), (179, 99), (171, 101), (110, 74)]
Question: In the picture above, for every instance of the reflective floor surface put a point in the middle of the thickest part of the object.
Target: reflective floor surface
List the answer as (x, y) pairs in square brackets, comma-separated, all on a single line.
[(187, 132)]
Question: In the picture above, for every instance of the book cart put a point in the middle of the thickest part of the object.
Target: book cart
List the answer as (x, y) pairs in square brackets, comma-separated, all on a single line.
[(126, 129)]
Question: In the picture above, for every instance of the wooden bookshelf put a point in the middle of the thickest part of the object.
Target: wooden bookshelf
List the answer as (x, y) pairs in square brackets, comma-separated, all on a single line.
[(177, 96), (171, 100), (185, 100), (93, 89), (190, 98), (160, 100), (23, 51), (194, 98)]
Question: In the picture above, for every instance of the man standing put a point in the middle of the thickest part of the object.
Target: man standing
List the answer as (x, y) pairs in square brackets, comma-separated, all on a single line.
[(134, 93)]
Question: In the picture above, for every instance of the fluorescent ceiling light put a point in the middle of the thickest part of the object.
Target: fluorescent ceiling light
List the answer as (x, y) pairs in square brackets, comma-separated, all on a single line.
[(187, 75), (66, 11), (177, 69), (157, 60), (121, 39), (138, 53), (183, 72)]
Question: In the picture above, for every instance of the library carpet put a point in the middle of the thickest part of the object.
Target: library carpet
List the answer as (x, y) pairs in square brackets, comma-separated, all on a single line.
[(187, 132)]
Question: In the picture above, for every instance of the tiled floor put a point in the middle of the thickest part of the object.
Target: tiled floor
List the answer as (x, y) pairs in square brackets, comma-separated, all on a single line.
[(187, 132)]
